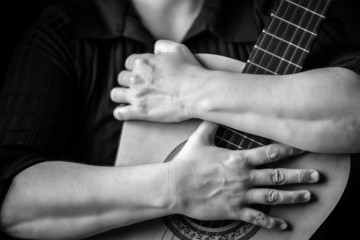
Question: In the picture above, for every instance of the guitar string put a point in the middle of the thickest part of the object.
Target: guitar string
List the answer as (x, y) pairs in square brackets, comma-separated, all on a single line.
[(255, 49), (282, 35), (166, 229), (286, 51), (292, 38), (302, 36), (322, 12), (271, 39)]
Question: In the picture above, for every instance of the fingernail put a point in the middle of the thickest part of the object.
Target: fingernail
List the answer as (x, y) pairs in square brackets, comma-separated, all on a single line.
[(273, 153), (283, 226), (306, 196), (314, 176)]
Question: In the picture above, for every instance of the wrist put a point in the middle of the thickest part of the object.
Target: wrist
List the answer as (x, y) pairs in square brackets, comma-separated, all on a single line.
[(196, 93), (178, 187)]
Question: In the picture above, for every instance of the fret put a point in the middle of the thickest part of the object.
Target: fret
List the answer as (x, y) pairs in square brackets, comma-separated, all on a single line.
[(232, 145), (299, 17), (278, 57), (306, 9), (315, 6), (297, 26), (283, 40), (271, 63), (244, 136), (261, 67), (280, 49), (268, 64), (292, 34), (283, 48)]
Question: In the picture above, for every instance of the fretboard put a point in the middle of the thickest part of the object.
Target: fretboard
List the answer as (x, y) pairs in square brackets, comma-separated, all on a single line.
[(281, 49)]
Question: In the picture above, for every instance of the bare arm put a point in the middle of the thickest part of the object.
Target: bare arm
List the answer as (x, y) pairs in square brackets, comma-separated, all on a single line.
[(317, 110), (59, 200), (302, 109)]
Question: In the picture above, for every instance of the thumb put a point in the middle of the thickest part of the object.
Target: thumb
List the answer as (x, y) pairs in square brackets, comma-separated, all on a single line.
[(166, 46), (206, 132)]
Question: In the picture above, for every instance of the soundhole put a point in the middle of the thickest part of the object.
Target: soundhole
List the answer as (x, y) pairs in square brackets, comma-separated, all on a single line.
[(186, 228)]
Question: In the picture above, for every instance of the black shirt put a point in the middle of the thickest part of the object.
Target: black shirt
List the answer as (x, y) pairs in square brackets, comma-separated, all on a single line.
[(55, 102)]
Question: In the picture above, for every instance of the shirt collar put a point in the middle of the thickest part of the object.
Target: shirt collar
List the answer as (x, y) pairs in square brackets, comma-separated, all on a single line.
[(230, 20)]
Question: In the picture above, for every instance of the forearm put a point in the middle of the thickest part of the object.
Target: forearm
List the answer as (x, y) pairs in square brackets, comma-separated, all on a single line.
[(59, 200), (301, 109)]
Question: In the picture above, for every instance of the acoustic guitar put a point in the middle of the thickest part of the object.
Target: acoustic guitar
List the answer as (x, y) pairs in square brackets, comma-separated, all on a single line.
[(280, 49)]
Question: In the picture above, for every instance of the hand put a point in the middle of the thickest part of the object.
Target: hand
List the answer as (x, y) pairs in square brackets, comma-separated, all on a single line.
[(160, 87), (211, 183)]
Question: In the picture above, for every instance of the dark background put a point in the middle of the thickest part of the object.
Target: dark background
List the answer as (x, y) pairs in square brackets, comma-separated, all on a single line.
[(18, 15)]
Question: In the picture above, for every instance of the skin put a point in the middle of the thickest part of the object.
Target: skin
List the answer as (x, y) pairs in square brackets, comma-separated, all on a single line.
[(316, 110), (64, 200), (54, 200)]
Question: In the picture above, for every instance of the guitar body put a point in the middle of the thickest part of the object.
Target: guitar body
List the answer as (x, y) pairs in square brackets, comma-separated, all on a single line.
[(146, 142)]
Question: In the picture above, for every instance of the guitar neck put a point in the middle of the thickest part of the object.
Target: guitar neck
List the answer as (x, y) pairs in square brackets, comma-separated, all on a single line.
[(281, 49)]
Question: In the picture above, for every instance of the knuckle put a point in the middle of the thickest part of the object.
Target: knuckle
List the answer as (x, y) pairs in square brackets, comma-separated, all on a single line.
[(272, 153), (278, 176), (142, 109), (134, 80), (232, 212), (241, 157), (272, 197), (290, 150), (258, 219), (293, 197), (130, 60), (301, 176), (139, 61), (234, 158), (251, 178), (247, 157), (139, 94)]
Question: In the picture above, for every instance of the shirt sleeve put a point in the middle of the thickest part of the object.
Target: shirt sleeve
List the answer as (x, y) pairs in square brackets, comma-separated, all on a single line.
[(38, 100), (333, 47)]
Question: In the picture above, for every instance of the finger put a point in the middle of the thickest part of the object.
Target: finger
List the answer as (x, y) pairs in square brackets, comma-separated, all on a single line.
[(206, 131), (120, 95), (280, 176), (163, 46), (128, 79), (270, 153), (129, 62), (124, 78), (125, 113), (275, 197), (136, 60), (258, 218)]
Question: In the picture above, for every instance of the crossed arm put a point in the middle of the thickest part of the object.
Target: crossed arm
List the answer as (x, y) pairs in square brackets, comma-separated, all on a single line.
[(316, 110), (61, 200), (65, 200)]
